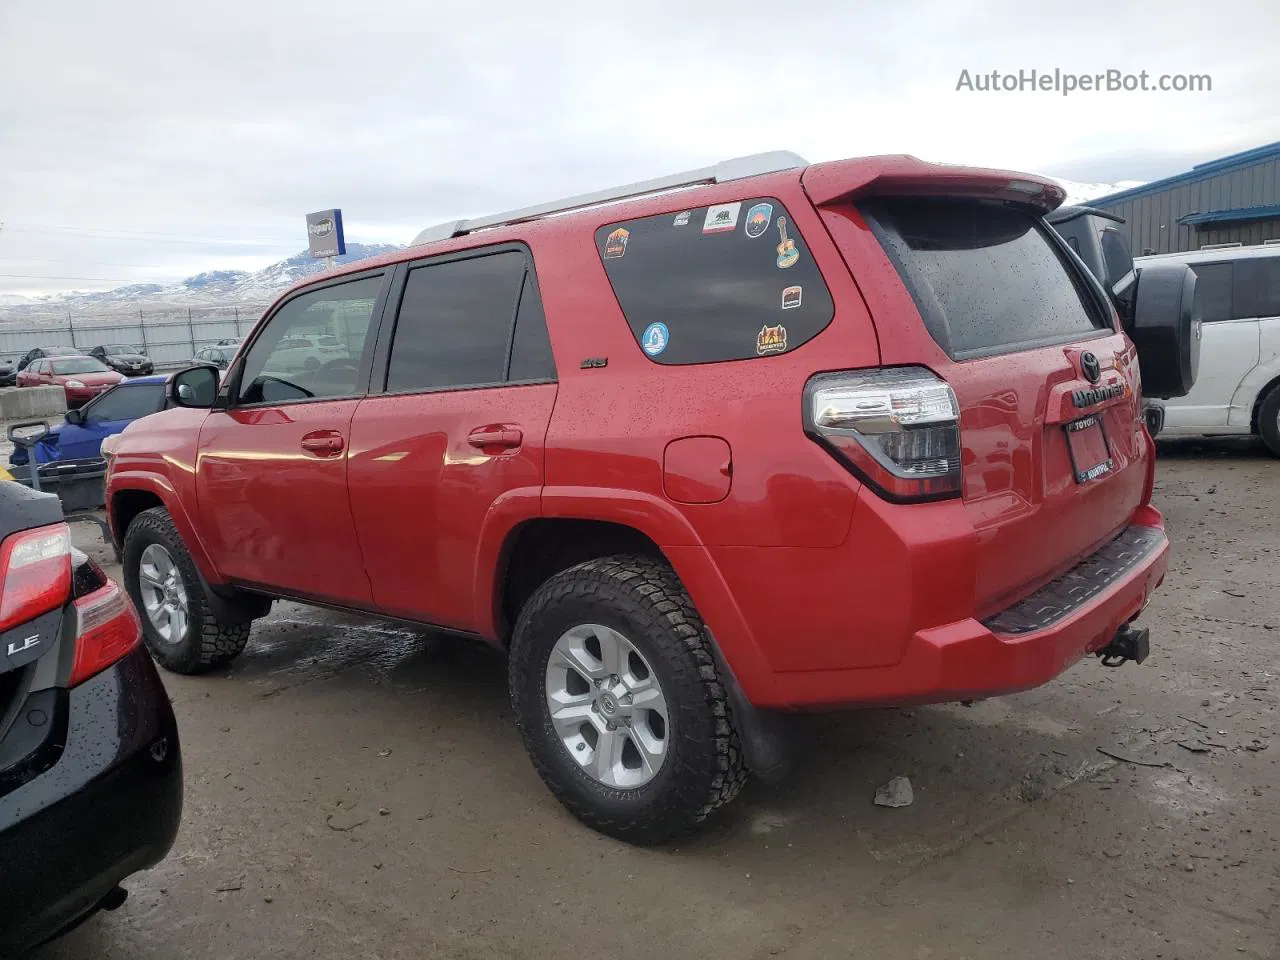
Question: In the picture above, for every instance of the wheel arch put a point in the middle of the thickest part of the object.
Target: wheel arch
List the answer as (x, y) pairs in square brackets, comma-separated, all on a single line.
[(131, 494), (1260, 398)]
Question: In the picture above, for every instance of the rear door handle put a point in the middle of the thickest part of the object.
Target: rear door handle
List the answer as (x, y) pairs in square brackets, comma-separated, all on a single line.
[(323, 443), (496, 436)]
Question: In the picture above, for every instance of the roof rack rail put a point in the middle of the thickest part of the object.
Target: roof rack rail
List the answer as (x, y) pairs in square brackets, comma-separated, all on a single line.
[(738, 168), (1221, 246)]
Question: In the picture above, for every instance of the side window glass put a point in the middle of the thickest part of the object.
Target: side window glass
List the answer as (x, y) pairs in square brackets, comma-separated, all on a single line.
[(127, 403), (454, 325), (1268, 286), (724, 282), (287, 361), (531, 357), (1213, 291)]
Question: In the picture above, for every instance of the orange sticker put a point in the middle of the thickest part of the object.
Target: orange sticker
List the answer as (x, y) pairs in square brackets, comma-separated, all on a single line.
[(615, 245), (771, 340)]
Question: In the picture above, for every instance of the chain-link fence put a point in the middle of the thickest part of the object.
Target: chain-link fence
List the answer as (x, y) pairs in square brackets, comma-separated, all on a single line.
[(168, 337)]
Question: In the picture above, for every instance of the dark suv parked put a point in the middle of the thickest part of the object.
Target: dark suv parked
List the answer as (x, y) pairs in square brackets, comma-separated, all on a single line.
[(764, 436)]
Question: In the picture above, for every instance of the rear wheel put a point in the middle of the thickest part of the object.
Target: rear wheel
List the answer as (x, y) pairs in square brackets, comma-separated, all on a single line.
[(1269, 420), (178, 624), (619, 701)]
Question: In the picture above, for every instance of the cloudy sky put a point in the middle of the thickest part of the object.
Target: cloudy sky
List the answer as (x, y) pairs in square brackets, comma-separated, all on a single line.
[(145, 140)]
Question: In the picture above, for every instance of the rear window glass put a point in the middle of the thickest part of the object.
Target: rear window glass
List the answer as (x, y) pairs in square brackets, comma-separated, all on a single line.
[(724, 282), (987, 279)]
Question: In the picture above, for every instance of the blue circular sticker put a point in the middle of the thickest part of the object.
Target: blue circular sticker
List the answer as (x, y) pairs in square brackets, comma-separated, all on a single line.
[(655, 339)]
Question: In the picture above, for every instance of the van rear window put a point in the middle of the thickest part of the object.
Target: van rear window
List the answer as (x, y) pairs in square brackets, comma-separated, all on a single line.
[(986, 279), (724, 282)]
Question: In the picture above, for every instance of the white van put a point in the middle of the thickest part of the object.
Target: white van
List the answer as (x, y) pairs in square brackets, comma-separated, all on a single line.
[(1237, 391)]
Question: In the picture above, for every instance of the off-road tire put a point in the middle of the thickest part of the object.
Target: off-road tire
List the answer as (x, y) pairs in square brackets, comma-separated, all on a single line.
[(643, 599), (207, 644), (1269, 420)]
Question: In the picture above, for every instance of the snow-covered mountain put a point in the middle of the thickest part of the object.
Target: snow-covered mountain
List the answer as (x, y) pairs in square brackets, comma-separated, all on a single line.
[(216, 288)]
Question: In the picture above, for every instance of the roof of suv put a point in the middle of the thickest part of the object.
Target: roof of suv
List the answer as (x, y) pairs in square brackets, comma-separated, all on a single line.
[(1215, 255), (824, 183)]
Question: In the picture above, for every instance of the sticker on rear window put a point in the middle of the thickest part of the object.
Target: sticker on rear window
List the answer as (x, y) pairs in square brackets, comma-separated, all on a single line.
[(771, 340), (758, 219), (616, 243), (787, 252), (791, 298), (722, 218), (655, 339), (682, 218)]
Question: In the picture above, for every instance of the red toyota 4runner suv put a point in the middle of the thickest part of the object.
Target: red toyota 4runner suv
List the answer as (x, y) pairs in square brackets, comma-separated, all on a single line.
[(760, 437)]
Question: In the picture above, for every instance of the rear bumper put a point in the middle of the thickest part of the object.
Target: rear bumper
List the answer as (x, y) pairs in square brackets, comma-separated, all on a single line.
[(1018, 648), (105, 803)]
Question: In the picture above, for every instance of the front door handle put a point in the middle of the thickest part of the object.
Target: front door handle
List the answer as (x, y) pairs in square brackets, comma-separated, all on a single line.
[(496, 436), (323, 443)]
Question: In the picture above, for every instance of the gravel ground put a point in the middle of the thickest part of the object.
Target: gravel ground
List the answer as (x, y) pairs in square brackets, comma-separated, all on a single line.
[(358, 790)]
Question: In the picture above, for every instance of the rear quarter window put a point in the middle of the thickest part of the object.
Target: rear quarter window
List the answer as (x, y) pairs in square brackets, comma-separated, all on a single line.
[(723, 282), (986, 278)]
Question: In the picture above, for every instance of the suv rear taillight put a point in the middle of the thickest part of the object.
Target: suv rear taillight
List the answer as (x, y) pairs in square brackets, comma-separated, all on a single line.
[(106, 627), (35, 573), (897, 428)]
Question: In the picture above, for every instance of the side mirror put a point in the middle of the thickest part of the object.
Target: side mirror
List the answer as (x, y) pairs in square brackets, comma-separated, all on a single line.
[(194, 387), (75, 417)]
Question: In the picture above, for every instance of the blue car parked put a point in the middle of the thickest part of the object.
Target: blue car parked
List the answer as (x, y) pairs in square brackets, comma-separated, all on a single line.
[(80, 436)]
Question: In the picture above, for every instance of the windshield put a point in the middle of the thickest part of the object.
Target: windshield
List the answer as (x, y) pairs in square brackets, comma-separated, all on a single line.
[(118, 349), (78, 365)]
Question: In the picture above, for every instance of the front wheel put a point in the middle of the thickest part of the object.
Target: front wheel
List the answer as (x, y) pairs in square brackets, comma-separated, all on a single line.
[(178, 624), (620, 703)]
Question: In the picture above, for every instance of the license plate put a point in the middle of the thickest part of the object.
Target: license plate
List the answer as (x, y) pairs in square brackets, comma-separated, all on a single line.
[(1090, 452)]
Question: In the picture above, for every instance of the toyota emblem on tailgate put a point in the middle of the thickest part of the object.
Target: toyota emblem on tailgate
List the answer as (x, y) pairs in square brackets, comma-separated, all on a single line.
[(1090, 367)]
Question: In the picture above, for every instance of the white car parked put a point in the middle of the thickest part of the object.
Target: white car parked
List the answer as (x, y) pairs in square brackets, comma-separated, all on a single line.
[(1237, 390)]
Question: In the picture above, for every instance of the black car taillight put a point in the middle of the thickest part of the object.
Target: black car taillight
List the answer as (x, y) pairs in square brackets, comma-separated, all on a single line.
[(107, 629), (35, 573), (897, 428)]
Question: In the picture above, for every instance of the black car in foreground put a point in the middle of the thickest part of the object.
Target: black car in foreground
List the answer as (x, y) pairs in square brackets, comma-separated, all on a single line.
[(125, 359), (90, 767)]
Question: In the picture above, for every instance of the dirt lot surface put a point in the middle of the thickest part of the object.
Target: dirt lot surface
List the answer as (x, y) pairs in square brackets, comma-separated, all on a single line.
[(358, 790)]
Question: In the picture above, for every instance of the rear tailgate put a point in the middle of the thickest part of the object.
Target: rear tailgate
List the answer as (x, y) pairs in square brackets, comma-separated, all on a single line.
[(961, 275)]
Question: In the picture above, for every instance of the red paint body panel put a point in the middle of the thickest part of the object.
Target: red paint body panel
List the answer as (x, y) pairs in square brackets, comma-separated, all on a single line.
[(274, 514), (817, 591), (697, 470), (158, 457), (421, 493)]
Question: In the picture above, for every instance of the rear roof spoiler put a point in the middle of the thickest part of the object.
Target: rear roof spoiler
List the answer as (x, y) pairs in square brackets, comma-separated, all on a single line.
[(901, 175), (1067, 214)]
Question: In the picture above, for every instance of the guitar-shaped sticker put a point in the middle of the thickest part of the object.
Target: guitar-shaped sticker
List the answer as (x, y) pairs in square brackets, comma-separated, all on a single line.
[(787, 252)]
